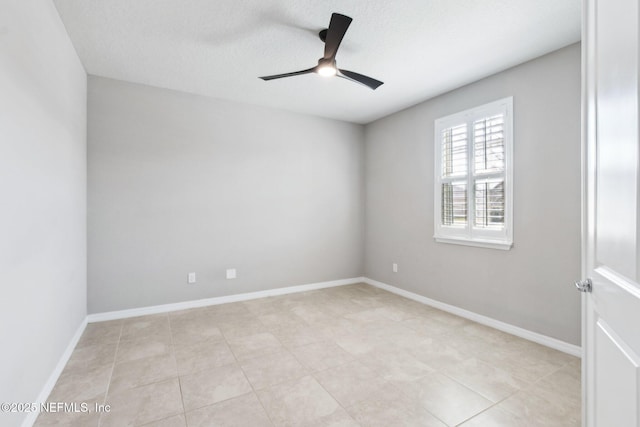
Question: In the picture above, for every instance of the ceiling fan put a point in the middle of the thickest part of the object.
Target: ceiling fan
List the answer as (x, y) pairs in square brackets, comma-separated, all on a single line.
[(332, 37)]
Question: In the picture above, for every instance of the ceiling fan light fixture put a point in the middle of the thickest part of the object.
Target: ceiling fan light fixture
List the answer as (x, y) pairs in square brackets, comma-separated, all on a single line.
[(327, 71)]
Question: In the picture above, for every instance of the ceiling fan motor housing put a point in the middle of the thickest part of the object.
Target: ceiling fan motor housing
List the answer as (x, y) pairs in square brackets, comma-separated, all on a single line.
[(326, 62)]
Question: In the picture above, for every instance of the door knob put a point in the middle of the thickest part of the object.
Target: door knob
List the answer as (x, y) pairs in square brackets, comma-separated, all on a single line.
[(584, 285)]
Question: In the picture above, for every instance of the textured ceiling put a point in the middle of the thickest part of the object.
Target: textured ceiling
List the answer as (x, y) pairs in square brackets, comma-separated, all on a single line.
[(218, 48)]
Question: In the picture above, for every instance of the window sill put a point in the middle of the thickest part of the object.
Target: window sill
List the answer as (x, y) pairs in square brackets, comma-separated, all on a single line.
[(481, 243)]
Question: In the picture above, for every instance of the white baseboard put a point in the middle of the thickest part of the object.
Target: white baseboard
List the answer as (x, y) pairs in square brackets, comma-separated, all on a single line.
[(53, 378), (554, 343), (164, 308)]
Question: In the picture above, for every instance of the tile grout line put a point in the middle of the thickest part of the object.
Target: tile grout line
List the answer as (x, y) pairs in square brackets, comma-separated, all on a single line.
[(312, 375), (493, 404), (333, 397), (280, 341), (202, 370), (358, 358), (224, 337), (113, 365), (175, 360), (529, 384), (422, 406), (309, 371), (146, 384)]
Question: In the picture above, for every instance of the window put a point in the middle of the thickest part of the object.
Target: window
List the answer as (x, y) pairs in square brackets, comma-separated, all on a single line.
[(473, 176)]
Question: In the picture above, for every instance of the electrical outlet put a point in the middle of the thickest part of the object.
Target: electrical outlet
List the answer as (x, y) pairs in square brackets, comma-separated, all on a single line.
[(394, 267), (191, 278), (231, 273)]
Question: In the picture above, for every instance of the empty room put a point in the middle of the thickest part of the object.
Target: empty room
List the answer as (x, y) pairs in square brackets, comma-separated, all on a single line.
[(296, 213)]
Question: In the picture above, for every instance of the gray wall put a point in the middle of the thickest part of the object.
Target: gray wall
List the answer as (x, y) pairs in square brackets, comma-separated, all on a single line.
[(529, 286), (180, 183), (43, 193)]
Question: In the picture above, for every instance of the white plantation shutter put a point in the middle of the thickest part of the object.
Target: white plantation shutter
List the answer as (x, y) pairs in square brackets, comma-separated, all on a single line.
[(454, 151), (454, 203), (488, 144), (473, 176), (488, 156), (454, 167), (489, 203)]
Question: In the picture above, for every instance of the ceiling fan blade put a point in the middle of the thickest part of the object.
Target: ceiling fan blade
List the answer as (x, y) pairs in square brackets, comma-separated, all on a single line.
[(295, 73), (359, 78), (337, 28)]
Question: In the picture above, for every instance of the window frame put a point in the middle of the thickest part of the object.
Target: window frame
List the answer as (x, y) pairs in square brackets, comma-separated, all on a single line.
[(468, 234)]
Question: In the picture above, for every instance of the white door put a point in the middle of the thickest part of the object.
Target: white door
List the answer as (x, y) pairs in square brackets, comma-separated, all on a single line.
[(611, 235)]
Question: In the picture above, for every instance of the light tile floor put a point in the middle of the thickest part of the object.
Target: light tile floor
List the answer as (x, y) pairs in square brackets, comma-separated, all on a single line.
[(345, 356)]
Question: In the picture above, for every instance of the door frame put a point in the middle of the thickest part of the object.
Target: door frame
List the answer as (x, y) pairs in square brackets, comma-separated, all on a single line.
[(588, 190)]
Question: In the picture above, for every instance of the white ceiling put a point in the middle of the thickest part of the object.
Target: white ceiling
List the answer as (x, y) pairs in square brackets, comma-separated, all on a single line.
[(218, 48)]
